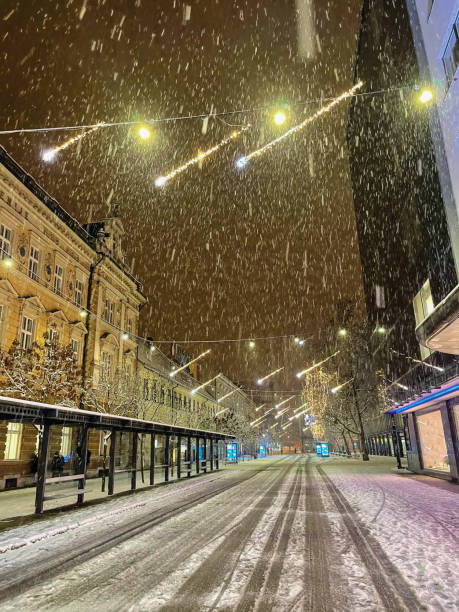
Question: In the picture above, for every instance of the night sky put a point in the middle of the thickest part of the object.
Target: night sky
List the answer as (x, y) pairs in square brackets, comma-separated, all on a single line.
[(221, 253)]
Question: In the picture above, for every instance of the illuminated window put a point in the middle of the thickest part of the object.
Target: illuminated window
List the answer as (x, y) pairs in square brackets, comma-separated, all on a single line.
[(58, 279), (78, 293), (34, 261), (423, 306), (75, 348), (66, 441), (13, 441), (26, 333), (109, 309), (432, 441), (5, 242), (107, 365)]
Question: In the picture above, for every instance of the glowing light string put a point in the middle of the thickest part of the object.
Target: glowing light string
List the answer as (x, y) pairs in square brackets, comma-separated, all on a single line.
[(162, 180), (49, 154), (325, 109), (260, 381)]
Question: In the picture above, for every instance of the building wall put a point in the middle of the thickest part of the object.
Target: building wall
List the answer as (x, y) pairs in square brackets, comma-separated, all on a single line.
[(400, 213), (35, 221), (432, 25)]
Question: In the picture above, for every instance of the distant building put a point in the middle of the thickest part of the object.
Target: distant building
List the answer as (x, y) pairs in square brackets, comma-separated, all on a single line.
[(407, 248)]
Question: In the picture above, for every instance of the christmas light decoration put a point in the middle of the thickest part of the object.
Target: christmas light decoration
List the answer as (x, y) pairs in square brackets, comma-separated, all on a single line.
[(193, 391), (259, 407), (316, 365), (174, 372), (162, 180), (227, 395), (325, 109), (260, 381), (339, 387), (49, 154), (277, 406)]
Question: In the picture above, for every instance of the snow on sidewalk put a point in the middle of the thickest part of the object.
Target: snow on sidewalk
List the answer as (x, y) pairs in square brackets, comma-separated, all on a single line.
[(416, 523)]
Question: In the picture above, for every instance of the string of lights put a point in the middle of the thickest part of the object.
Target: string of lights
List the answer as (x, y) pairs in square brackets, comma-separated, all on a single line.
[(324, 109), (190, 116), (49, 154), (162, 180), (13, 265)]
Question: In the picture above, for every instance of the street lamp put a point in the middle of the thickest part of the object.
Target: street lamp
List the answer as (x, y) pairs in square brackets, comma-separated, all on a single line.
[(144, 133), (279, 118), (426, 96)]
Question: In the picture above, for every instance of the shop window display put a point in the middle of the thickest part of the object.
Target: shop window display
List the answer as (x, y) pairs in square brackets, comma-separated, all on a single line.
[(432, 441)]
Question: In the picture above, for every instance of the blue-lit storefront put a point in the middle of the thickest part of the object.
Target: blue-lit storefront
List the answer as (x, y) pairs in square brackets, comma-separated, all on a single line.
[(432, 430)]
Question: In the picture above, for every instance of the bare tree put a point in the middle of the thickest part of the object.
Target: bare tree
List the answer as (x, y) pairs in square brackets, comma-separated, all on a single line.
[(46, 372)]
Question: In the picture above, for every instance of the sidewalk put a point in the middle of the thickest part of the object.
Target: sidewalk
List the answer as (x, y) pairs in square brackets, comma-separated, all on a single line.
[(21, 502)]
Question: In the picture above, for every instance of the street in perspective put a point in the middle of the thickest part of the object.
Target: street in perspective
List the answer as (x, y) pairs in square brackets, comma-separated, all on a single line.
[(229, 305)]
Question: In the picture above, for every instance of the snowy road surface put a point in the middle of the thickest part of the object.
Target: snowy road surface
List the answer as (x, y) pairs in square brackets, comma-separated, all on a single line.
[(296, 533)]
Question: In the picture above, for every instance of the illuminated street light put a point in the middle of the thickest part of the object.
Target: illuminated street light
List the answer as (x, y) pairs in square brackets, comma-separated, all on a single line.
[(48, 155), (381, 330), (426, 96), (125, 336), (8, 263), (251, 344), (144, 133), (259, 407), (279, 118), (342, 332), (83, 314)]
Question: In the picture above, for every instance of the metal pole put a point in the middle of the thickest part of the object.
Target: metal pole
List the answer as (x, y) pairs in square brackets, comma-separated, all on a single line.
[(211, 454), (395, 441), (84, 457), (134, 461), (217, 458), (189, 457), (166, 459), (41, 469), (197, 455), (179, 458), (204, 455), (111, 466), (152, 459)]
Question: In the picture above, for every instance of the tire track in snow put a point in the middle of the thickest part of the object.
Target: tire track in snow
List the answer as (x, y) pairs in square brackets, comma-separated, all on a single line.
[(224, 559), (394, 591), (266, 574)]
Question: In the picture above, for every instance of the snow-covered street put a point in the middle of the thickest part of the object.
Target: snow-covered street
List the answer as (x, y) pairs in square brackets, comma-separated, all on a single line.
[(284, 533)]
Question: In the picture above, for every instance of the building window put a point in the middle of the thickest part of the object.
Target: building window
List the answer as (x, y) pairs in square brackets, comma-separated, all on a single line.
[(109, 309), (26, 333), (5, 242), (53, 335), (129, 325), (451, 55), (13, 441), (145, 389), (66, 441), (432, 441), (34, 260), (423, 306), (78, 293), (107, 365), (75, 348), (154, 392), (58, 279)]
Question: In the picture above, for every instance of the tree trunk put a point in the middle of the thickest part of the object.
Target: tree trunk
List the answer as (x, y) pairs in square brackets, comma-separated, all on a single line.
[(346, 444), (363, 446)]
